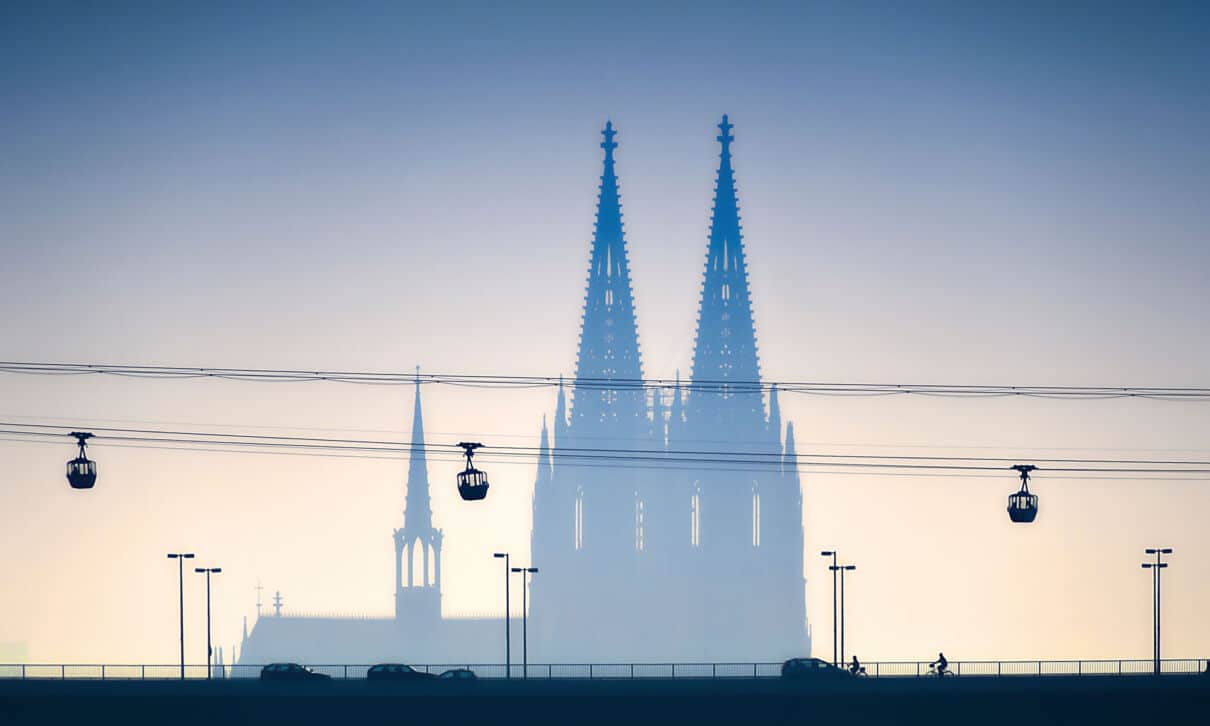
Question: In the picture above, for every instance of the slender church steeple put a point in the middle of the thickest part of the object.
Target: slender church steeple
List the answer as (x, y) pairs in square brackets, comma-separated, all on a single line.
[(609, 340), (544, 466), (560, 429), (774, 415), (725, 363), (418, 511), (417, 597)]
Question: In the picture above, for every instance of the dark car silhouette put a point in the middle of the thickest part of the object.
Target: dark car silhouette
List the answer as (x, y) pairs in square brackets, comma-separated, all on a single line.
[(396, 672), (290, 672), (458, 674), (811, 668)]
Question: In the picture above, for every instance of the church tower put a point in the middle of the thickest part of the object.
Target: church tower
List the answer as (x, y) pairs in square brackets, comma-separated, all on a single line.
[(608, 406), (667, 562), (588, 517), (725, 407), (418, 598)]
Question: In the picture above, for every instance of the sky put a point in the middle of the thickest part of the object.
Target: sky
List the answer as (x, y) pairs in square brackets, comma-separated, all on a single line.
[(998, 193)]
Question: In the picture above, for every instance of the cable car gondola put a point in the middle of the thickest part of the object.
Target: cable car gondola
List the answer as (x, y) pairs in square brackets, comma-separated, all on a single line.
[(1023, 506), (81, 471), (472, 483)]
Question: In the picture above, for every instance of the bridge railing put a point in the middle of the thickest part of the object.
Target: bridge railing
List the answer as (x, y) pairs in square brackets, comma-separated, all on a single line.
[(627, 671)]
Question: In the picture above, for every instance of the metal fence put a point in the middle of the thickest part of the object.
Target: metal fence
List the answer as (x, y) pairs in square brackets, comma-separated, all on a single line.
[(627, 671)]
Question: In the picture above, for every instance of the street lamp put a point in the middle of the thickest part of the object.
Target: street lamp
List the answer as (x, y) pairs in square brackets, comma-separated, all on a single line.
[(180, 558), (841, 569), (508, 631), (832, 554), (525, 572), (209, 571), (1155, 568)]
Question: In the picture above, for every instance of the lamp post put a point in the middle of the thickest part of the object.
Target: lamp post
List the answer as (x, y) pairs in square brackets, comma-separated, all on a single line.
[(508, 632), (1155, 568), (832, 554), (525, 573), (841, 569), (209, 571), (180, 558)]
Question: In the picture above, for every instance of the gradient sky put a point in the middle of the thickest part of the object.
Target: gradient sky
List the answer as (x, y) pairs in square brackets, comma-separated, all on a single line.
[(932, 192)]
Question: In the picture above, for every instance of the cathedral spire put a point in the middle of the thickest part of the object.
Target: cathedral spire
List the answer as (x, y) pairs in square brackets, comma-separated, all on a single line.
[(774, 415), (561, 416), (725, 364), (609, 341), (544, 468), (676, 414), (417, 513), (658, 424)]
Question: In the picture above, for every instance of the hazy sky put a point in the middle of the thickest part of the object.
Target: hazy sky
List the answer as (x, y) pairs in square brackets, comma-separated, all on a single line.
[(932, 192)]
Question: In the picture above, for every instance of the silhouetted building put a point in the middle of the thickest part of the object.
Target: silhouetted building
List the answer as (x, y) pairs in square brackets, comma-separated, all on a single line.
[(685, 562), (417, 633), (676, 562)]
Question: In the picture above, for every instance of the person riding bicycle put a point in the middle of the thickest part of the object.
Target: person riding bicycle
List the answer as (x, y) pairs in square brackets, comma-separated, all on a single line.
[(856, 668), (941, 664)]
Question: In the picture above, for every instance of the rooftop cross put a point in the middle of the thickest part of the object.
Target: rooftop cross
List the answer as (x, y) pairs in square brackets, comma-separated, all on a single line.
[(726, 138), (609, 144)]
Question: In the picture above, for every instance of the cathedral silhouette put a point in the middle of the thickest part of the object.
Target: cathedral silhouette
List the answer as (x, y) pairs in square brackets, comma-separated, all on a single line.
[(668, 562), (681, 563)]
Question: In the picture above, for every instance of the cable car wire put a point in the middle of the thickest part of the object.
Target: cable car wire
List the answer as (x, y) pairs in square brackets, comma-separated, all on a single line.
[(649, 465), (1159, 393), (747, 460)]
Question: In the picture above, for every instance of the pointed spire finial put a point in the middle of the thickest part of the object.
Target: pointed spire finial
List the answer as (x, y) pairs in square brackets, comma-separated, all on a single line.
[(609, 144), (725, 138)]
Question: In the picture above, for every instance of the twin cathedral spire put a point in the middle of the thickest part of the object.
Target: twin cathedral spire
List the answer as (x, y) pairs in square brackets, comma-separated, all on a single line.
[(642, 543), (725, 361)]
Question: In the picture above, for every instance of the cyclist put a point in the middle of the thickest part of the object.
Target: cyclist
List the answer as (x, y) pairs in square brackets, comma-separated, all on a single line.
[(941, 664), (856, 668)]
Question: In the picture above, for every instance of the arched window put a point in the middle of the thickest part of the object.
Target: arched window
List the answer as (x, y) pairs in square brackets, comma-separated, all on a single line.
[(695, 517), (639, 524), (755, 514), (579, 524)]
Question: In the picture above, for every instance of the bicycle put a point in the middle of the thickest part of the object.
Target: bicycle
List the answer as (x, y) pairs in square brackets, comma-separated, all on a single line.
[(940, 672)]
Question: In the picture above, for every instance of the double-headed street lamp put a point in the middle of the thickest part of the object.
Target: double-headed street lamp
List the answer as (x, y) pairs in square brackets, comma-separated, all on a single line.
[(525, 573), (832, 554), (841, 569), (1155, 568), (209, 571), (508, 631), (180, 558)]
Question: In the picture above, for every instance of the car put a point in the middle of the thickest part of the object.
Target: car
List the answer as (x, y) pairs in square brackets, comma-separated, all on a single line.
[(396, 672), (458, 674), (811, 668), (290, 672)]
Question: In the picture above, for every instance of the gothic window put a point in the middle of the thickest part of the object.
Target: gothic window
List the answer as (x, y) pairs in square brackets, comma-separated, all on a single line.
[(726, 291), (755, 515), (609, 297), (695, 518), (579, 523), (639, 524)]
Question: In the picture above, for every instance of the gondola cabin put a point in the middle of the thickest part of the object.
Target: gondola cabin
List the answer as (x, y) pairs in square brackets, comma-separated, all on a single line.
[(81, 471), (1022, 505), (472, 482)]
